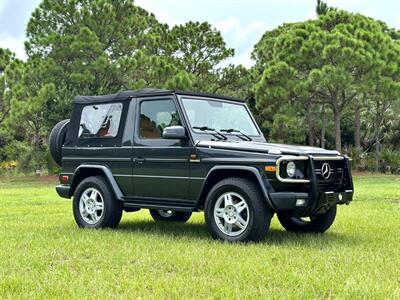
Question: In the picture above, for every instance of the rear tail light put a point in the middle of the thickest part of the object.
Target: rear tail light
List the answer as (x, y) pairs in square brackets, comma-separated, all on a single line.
[(64, 178)]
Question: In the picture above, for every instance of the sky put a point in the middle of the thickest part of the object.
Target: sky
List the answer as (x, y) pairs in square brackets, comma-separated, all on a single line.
[(241, 22)]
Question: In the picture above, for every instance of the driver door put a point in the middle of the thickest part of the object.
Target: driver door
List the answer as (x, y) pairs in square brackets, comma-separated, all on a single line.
[(161, 167)]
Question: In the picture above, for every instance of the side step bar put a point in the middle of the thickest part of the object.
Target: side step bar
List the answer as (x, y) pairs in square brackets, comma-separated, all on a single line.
[(157, 204)]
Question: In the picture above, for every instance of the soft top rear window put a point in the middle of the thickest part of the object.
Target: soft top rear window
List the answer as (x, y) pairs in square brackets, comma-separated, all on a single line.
[(100, 121)]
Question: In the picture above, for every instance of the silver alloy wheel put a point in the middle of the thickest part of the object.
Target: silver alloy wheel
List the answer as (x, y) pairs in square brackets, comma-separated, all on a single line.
[(167, 213), (91, 206), (231, 213)]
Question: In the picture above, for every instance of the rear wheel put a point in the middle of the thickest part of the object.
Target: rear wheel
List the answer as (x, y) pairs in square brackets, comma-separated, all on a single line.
[(236, 211), (318, 224), (94, 205), (168, 215)]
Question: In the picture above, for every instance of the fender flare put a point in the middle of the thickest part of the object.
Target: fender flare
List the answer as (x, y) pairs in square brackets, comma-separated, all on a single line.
[(107, 173), (264, 185)]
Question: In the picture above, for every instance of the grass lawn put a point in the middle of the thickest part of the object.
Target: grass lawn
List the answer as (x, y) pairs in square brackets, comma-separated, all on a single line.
[(44, 255)]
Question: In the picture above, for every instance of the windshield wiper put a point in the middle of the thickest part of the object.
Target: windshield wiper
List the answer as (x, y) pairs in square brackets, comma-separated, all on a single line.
[(241, 135), (215, 133)]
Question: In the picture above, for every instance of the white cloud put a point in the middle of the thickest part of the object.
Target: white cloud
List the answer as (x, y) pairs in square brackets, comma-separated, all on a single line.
[(241, 38), (152, 7), (312, 15), (238, 36), (243, 58), (16, 45)]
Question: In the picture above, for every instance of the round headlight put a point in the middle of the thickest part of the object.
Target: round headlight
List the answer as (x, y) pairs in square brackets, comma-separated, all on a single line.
[(291, 169)]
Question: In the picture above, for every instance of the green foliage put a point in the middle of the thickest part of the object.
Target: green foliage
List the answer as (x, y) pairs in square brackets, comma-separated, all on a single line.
[(323, 8), (99, 47), (95, 47), (181, 81), (28, 95), (391, 161), (6, 57), (198, 47), (338, 60), (307, 81)]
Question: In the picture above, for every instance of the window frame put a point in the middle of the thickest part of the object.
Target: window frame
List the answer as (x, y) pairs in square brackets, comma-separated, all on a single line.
[(160, 142), (194, 132), (101, 138)]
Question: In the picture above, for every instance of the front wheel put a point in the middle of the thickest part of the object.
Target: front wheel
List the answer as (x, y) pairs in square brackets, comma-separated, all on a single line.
[(236, 211), (168, 215), (318, 224)]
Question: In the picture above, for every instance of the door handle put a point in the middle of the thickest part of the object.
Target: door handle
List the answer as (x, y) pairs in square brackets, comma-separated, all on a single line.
[(140, 160)]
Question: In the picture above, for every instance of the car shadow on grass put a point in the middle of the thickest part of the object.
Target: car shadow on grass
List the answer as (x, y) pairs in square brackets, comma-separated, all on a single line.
[(199, 231), (188, 230)]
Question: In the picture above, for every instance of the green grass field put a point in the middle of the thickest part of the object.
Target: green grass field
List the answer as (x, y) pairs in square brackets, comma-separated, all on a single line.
[(44, 255)]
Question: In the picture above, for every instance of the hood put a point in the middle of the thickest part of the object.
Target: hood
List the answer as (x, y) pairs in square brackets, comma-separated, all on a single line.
[(266, 148)]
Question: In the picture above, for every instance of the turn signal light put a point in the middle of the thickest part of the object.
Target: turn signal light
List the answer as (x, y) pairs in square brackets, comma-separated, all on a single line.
[(270, 168)]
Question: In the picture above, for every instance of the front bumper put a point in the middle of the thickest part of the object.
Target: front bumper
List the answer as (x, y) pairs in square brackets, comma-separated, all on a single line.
[(315, 193), (64, 190), (327, 199), (303, 202)]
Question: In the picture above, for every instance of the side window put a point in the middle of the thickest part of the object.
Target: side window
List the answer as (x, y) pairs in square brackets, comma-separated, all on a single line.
[(100, 121), (155, 115)]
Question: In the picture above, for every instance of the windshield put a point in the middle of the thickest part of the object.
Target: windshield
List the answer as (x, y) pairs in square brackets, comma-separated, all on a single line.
[(218, 115)]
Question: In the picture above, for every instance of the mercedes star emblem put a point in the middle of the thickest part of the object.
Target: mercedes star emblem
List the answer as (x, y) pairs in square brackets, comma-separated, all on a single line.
[(326, 170)]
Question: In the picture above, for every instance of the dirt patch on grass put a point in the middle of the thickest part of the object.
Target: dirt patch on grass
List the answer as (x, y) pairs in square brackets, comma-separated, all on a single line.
[(42, 179), (48, 179)]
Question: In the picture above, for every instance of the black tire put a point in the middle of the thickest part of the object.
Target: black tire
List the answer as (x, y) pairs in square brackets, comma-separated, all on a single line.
[(159, 215), (112, 208), (57, 139), (319, 224), (259, 214)]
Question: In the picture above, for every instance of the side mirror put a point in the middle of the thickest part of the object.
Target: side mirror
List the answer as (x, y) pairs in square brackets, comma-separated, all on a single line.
[(174, 132)]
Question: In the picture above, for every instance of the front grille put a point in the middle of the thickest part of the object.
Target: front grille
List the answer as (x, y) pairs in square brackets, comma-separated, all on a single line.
[(335, 181)]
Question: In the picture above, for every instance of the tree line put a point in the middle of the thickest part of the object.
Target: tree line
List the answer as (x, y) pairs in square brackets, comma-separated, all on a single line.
[(330, 82)]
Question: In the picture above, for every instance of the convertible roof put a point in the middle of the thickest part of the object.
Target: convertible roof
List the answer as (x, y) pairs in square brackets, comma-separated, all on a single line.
[(146, 92)]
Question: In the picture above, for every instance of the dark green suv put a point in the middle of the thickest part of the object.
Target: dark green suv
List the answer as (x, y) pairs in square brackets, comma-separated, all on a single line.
[(176, 152)]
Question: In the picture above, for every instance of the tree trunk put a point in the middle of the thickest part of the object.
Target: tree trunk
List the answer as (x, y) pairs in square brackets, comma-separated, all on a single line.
[(377, 155), (338, 137), (357, 127), (323, 128), (310, 123), (377, 138), (36, 148)]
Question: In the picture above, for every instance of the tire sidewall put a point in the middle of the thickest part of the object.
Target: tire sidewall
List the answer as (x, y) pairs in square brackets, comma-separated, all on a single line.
[(105, 193), (320, 224), (61, 136), (56, 140), (212, 198)]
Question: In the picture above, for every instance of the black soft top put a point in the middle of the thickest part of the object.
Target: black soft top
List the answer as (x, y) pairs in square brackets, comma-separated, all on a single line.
[(146, 92)]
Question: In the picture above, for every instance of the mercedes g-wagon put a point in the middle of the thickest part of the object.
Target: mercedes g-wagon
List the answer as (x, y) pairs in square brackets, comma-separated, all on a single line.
[(175, 153)]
